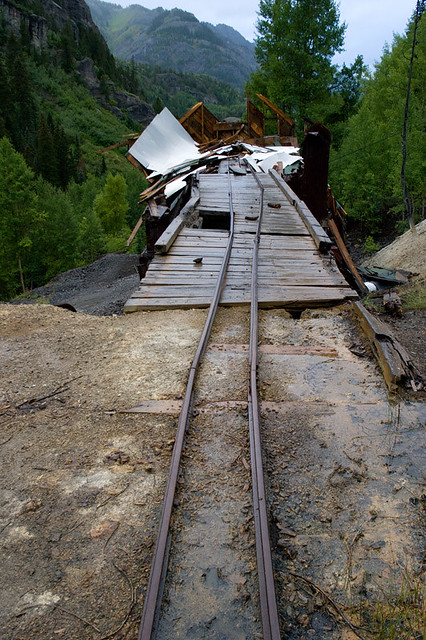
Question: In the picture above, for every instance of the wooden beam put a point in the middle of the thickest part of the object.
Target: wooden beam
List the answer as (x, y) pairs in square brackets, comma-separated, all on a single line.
[(189, 113), (319, 236), (275, 109), (134, 232), (167, 238), (393, 359), (346, 257)]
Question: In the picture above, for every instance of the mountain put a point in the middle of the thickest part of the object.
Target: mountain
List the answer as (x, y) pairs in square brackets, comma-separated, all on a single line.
[(47, 25), (176, 40)]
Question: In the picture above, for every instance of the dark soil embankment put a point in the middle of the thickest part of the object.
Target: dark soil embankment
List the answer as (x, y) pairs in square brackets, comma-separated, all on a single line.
[(100, 288)]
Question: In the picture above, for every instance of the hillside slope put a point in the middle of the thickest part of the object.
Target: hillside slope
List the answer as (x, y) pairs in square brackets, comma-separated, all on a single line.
[(175, 40)]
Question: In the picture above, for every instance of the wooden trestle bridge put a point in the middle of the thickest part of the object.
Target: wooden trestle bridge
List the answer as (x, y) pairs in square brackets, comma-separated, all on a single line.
[(293, 273)]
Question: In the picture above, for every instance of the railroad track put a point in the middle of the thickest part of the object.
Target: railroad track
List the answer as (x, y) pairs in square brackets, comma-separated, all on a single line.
[(151, 617)]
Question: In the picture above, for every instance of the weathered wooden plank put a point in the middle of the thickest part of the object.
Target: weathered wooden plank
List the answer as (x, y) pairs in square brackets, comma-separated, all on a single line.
[(208, 233), (296, 297), (183, 279), (346, 257), (241, 292), (395, 362), (167, 238), (319, 236), (199, 241), (134, 232)]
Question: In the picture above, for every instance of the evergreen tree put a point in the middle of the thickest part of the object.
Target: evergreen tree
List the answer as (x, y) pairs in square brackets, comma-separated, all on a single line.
[(6, 108), (158, 105), (133, 82), (56, 245), (20, 217), (46, 159), (91, 238), (111, 204), (23, 110), (346, 95), (297, 40), (68, 48), (64, 157)]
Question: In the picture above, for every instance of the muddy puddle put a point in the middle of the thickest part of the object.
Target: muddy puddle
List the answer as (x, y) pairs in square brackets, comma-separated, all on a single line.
[(345, 465)]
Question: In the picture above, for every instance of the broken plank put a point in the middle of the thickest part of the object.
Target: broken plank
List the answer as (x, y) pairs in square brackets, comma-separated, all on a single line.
[(346, 257), (394, 361), (167, 238)]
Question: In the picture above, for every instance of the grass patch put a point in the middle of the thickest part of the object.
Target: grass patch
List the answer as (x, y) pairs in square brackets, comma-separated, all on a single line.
[(414, 295), (399, 614)]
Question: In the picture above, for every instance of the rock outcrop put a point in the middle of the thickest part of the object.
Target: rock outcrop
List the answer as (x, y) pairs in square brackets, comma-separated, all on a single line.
[(37, 25), (120, 102), (74, 11)]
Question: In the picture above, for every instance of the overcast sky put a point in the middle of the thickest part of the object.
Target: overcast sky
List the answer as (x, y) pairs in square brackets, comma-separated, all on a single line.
[(371, 23)]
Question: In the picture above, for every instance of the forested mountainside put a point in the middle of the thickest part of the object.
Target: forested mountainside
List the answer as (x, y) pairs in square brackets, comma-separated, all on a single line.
[(175, 40), (62, 97)]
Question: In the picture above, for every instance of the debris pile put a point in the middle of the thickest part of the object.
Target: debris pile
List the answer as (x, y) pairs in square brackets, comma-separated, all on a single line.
[(171, 160)]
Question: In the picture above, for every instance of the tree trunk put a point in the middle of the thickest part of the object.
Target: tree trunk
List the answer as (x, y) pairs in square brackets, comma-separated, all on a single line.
[(407, 209), (21, 275)]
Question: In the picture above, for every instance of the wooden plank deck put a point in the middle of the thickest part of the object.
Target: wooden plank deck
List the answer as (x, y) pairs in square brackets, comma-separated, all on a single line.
[(291, 271)]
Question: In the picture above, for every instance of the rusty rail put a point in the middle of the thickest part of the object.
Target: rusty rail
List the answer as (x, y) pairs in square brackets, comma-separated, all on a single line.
[(153, 596), (268, 602)]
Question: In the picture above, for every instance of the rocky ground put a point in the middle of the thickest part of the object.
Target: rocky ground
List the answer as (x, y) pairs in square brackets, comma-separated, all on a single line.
[(100, 288)]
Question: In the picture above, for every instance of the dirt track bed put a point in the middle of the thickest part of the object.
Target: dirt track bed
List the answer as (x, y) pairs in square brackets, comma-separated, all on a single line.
[(81, 483)]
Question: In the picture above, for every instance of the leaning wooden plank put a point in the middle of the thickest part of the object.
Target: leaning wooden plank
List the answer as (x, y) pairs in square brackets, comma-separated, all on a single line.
[(167, 238), (395, 362), (318, 234), (134, 232), (346, 257)]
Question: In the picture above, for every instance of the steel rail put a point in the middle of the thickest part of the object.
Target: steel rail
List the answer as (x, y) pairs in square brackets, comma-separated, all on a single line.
[(268, 602), (153, 596)]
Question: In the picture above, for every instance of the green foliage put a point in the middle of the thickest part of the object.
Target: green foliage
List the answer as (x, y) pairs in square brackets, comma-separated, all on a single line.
[(366, 170), (346, 93), (55, 248), (111, 205), (180, 91), (370, 245), (414, 295), (91, 240), (399, 612), (20, 219), (296, 43)]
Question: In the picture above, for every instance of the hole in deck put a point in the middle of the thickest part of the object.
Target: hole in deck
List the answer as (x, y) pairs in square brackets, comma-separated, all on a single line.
[(216, 220)]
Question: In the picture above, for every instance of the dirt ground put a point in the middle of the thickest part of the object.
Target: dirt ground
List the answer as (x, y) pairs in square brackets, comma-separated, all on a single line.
[(81, 483), (82, 480), (406, 252)]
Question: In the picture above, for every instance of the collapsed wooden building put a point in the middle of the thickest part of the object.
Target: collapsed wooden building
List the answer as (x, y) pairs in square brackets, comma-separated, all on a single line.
[(192, 166)]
